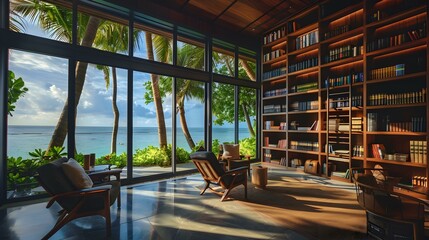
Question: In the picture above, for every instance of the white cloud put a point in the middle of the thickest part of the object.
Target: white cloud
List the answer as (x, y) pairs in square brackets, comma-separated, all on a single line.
[(57, 93), (86, 104), (37, 62)]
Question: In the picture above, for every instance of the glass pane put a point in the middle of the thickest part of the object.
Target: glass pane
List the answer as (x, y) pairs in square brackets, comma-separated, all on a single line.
[(110, 36), (37, 94), (223, 62), (247, 118), (42, 19), (223, 114), (190, 121), (190, 55), (246, 68), (102, 115), (160, 45), (150, 135)]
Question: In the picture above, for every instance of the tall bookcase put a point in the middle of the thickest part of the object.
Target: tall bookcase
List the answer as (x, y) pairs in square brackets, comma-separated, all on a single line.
[(345, 83)]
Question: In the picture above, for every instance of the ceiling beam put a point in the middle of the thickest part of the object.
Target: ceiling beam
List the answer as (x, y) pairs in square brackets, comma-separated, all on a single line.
[(224, 11)]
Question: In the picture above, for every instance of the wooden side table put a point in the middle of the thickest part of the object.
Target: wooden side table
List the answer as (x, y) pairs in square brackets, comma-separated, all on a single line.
[(260, 176)]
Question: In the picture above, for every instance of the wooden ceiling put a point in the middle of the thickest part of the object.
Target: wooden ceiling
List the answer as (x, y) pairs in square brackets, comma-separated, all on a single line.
[(242, 18), (252, 17)]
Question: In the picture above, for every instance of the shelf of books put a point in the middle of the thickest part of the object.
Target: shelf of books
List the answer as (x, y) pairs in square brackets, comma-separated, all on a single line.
[(345, 83)]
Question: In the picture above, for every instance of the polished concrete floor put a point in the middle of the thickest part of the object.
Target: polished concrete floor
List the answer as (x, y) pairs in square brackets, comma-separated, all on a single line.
[(170, 209)]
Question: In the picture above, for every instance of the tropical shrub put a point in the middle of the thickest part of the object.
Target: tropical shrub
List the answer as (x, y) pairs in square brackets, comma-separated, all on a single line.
[(248, 146), (155, 156), (119, 161), (21, 172)]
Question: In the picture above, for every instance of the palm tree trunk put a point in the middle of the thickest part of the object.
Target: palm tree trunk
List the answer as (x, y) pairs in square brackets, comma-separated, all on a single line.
[(162, 133), (249, 124), (184, 126), (60, 131), (115, 110), (249, 72)]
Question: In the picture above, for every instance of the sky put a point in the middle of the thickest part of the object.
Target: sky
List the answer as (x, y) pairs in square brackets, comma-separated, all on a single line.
[(46, 78)]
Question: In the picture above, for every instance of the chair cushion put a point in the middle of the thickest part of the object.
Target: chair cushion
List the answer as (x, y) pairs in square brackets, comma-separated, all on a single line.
[(76, 174), (209, 156), (231, 150), (53, 179)]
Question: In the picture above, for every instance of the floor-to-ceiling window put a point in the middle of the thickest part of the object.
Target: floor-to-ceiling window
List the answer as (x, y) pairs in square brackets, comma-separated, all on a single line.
[(37, 93), (95, 67)]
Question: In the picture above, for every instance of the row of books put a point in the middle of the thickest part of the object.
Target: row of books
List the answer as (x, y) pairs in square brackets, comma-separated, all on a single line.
[(308, 63), (344, 80), (358, 151), (274, 73), (274, 35), (342, 29), (341, 102), (387, 72), (413, 126), (307, 39), (304, 106), (283, 161), (274, 54), (267, 155), (282, 143), (295, 126), (420, 181), (416, 32), (344, 52), (378, 99), (275, 92), (304, 87), (378, 150), (304, 145), (418, 151), (274, 108), (269, 125)]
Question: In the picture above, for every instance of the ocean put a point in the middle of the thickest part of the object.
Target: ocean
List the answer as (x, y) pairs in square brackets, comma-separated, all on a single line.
[(24, 139)]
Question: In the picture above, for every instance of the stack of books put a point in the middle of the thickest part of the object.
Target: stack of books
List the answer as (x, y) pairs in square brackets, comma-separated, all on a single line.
[(357, 123), (418, 151)]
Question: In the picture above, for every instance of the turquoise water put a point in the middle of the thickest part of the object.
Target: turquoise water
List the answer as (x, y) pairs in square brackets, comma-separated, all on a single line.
[(24, 139)]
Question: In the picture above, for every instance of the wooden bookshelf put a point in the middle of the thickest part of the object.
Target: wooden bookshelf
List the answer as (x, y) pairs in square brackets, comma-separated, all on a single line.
[(370, 58)]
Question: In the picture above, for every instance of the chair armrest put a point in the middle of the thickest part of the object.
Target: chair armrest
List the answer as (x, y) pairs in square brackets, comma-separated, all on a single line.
[(106, 173), (237, 170), (99, 190)]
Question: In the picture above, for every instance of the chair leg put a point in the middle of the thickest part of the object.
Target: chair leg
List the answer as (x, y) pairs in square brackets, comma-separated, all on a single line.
[(245, 189), (61, 221), (205, 188), (107, 214), (225, 194)]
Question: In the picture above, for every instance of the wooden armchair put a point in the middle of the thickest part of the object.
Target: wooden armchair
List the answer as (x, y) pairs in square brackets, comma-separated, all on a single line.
[(76, 202), (230, 155), (213, 173), (390, 212)]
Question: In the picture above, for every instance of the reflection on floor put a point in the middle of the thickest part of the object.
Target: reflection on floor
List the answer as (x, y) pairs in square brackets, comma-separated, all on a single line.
[(171, 209)]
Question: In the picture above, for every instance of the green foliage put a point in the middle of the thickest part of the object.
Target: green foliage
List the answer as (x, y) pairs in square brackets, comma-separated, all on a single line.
[(21, 172), (119, 161), (46, 156), (215, 146), (16, 90), (151, 156), (248, 146), (155, 156)]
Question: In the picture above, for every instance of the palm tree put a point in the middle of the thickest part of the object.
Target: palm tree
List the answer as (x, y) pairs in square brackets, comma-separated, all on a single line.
[(57, 21), (162, 132), (113, 37)]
